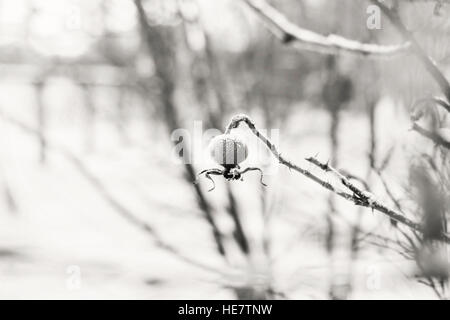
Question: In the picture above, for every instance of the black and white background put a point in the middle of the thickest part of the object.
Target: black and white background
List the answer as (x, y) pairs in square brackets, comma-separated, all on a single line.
[(107, 113)]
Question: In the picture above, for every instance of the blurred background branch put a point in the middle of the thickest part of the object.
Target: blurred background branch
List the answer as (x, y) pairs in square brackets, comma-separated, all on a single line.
[(305, 39)]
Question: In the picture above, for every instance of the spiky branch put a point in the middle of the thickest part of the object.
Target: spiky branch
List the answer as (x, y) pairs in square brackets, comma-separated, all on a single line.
[(355, 194)]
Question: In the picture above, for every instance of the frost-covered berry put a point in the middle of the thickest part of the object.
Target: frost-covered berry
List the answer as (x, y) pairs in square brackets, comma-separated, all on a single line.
[(228, 150)]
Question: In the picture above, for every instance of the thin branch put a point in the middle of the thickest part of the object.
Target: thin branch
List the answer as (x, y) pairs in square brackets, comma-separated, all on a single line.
[(389, 191), (436, 138), (364, 197), (236, 120), (429, 64), (418, 113), (441, 102), (357, 195), (305, 39)]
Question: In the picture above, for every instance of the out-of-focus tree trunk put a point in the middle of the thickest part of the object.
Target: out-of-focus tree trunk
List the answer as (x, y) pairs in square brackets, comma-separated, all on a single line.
[(208, 81), (160, 42), (336, 92)]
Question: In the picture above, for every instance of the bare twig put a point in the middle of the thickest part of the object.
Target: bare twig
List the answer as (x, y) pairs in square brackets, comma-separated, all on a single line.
[(437, 139), (441, 102), (236, 120), (389, 191), (356, 195), (429, 1), (365, 198), (304, 39), (417, 113)]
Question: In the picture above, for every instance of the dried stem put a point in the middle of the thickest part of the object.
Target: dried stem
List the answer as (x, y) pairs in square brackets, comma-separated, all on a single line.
[(417, 114), (356, 195), (304, 39), (439, 101), (437, 139)]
